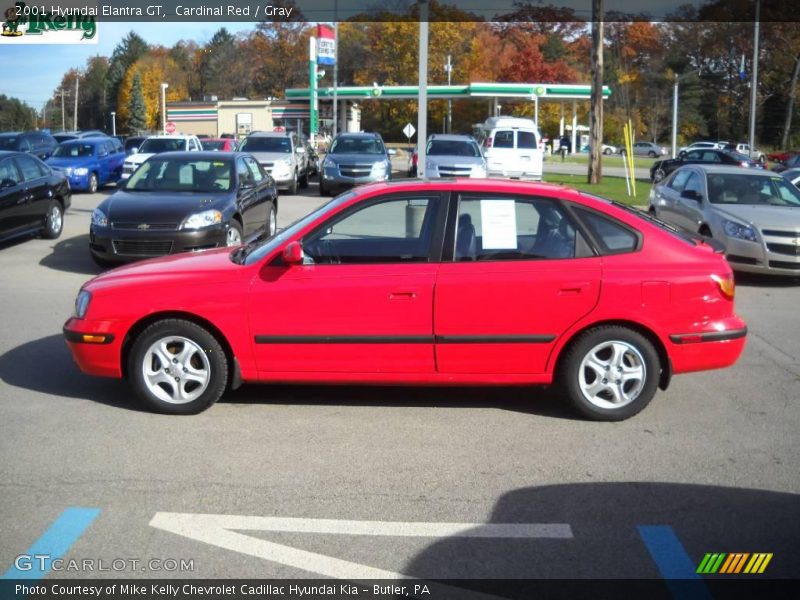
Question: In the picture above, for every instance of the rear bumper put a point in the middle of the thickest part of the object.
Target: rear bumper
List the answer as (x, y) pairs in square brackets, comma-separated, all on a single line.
[(714, 348)]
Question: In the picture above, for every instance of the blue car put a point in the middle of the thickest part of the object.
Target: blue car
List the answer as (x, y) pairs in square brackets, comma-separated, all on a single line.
[(88, 163)]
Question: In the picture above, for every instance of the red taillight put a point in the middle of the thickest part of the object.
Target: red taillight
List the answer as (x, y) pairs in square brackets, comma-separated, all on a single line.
[(726, 285), (488, 142)]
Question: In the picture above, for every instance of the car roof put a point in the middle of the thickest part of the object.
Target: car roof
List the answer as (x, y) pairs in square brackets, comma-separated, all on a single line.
[(203, 154), (177, 136), (730, 170), (10, 133), (7, 153), (268, 134), (359, 134), (86, 140), (451, 137)]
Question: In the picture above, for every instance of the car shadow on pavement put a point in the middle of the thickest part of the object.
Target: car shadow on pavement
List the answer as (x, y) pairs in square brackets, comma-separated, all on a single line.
[(540, 401), (45, 366), (599, 539), (72, 255)]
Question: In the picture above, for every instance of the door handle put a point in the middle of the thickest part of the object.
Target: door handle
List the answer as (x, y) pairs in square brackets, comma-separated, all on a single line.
[(573, 288), (402, 295)]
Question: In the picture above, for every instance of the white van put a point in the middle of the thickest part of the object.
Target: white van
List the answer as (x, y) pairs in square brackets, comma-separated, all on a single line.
[(512, 147)]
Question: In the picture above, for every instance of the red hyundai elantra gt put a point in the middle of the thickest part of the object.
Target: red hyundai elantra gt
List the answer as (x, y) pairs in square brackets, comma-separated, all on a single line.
[(454, 282)]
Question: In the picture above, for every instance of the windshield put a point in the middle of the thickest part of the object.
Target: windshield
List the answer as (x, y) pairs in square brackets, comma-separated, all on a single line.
[(64, 137), (215, 145), (453, 148), (763, 190), (156, 145), (359, 145), (267, 144), (133, 143), (253, 253), (8, 143), (182, 175), (74, 150)]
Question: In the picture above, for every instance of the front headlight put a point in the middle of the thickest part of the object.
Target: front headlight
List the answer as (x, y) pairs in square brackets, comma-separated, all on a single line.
[(739, 231), (328, 163), (379, 169), (207, 218), (99, 218), (68, 171), (478, 171), (82, 303), (81, 171)]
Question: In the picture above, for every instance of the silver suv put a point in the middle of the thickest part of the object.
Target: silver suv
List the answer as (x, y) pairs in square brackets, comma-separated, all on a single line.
[(454, 156), (281, 156), (353, 159)]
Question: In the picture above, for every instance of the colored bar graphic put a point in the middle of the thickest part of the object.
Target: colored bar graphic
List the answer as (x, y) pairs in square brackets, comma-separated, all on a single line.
[(734, 563), (54, 543)]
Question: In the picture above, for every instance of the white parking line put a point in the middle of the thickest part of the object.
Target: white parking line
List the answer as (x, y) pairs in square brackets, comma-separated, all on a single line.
[(219, 530)]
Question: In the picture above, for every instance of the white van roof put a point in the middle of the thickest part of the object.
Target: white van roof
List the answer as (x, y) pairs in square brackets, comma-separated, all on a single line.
[(510, 122)]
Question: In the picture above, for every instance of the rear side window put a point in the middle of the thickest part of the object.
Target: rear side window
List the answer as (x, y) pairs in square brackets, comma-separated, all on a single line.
[(679, 180), (526, 139), (612, 236), (31, 168), (503, 139)]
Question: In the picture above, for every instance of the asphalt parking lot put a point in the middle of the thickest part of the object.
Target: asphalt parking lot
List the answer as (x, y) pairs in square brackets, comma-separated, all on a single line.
[(378, 482)]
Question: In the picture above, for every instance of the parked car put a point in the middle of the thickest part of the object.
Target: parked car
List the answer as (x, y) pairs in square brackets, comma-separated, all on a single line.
[(646, 149), (754, 213), (454, 156), (355, 159), (181, 202), (346, 295), (68, 136), (792, 162), (745, 149), (662, 168), (41, 145), (607, 149), (697, 146), (89, 162), (156, 144), (512, 148), (133, 143), (33, 198), (279, 152), (219, 145), (782, 157)]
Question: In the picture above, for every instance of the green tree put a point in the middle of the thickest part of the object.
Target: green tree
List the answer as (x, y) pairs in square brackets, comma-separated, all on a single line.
[(137, 113), (15, 115), (126, 53)]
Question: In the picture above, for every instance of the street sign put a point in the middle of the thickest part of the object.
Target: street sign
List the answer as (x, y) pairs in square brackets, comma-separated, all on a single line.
[(170, 127), (409, 130)]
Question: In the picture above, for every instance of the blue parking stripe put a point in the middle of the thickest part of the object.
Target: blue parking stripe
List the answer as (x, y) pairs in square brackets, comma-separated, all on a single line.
[(673, 563), (54, 543)]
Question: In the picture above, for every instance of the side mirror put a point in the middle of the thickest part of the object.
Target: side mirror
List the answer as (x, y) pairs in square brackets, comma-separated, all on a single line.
[(134, 150), (391, 151), (692, 195), (293, 253), (7, 183), (102, 155)]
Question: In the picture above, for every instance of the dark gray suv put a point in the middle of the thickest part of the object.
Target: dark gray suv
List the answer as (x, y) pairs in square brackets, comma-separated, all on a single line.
[(353, 159)]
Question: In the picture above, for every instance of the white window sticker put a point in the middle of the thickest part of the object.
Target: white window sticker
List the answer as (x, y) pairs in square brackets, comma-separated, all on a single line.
[(498, 224)]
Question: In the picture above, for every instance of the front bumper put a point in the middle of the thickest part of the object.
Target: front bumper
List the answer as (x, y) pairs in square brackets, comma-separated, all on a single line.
[(100, 357), (128, 245), (332, 179), (776, 253)]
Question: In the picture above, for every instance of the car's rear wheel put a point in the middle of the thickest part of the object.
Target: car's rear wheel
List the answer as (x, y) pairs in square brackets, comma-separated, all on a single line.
[(610, 373), (293, 185), (53, 221), (652, 154), (272, 220), (234, 235), (92, 183), (177, 367)]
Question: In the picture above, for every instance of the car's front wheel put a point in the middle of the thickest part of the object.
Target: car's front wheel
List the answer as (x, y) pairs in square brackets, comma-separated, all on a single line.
[(92, 183), (53, 220), (607, 151), (177, 367), (234, 235), (272, 220), (652, 154), (610, 373), (293, 186)]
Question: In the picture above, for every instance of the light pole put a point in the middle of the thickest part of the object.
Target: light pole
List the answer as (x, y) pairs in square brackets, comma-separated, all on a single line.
[(164, 87), (422, 112), (754, 82), (678, 79), (113, 123), (449, 70)]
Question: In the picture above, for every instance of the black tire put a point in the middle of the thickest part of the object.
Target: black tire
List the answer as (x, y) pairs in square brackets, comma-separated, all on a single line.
[(175, 333), (652, 154), (293, 186), (304, 181), (607, 151), (272, 215), (652, 211), (93, 183), (705, 231), (638, 352), (322, 190), (53, 221), (102, 262), (623, 152), (234, 226)]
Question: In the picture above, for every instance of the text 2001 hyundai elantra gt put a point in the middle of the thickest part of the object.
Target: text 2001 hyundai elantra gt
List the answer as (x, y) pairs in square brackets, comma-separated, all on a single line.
[(455, 282)]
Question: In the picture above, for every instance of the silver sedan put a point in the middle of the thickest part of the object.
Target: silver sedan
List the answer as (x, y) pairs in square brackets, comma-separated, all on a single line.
[(755, 214)]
